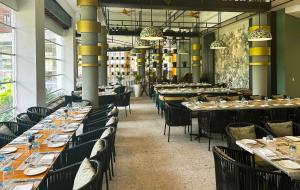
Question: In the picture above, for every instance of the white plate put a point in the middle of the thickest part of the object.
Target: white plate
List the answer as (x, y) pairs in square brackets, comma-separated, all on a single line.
[(289, 164), (77, 119), (55, 144), (32, 131), (293, 138), (249, 141), (35, 171), (8, 150), (264, 105), (68, 130)]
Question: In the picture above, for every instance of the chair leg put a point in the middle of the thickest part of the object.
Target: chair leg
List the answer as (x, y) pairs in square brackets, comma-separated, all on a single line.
[(112, 167), (129, 109), (125, 111), (165, 128), (169, 134), (184, 129), (209, 138), (109, 171), (106, 180)]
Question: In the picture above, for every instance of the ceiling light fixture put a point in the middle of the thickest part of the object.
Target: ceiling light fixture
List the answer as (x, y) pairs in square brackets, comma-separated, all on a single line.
[(142, 44), (260, 34), (218, 44), (151, 33)]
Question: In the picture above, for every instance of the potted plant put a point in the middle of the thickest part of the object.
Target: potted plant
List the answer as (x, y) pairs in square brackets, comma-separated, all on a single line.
[(137, 85)]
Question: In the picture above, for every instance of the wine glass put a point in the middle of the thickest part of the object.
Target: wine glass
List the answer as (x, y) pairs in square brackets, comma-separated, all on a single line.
[(7, 169)]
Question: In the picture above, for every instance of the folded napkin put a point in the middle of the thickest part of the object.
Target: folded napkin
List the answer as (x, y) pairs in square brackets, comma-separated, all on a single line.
[(19, 140), (38, 126), (47, 159), (60, 138), (28, 186), (266, 152)]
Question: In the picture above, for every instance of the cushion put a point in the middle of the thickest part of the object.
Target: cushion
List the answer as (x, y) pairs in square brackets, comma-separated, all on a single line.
[(110, 121), (247, 132), (106, 133), (113, 111), (96, 148), (25, 117), (4, 130), (281, 129), (84, 174)]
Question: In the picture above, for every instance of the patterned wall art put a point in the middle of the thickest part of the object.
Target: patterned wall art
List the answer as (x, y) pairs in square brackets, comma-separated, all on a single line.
[(232, 64)]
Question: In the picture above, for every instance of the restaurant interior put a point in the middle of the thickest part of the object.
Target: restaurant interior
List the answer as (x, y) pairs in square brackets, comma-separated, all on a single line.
[(149, 95)]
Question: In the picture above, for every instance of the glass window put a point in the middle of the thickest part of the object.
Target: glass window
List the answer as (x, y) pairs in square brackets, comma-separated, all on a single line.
[(53, 65), (7, 63)]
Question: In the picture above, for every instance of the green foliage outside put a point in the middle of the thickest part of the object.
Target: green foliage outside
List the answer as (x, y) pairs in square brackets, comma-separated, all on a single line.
[(6, 101)]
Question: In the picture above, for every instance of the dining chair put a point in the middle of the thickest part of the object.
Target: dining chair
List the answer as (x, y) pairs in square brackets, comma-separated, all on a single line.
[(175, 116), (123, 100), (7, 138), (234, 170), (259, 132), (24, 122), (63, 179), (36, 114), (71, 156)]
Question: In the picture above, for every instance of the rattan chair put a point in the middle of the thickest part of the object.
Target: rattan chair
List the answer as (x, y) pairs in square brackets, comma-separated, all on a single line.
[(123, 100), (5, 139), (63, 179), (234, 170), (176, 116), (24, 122), (259, 131), (36, 114), (78, 153)]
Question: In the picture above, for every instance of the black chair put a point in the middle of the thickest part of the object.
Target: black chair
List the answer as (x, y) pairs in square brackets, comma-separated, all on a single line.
[(296, 127), (120, 89), (36, 114), (255, 116), (281, 114), (24, 122), (70, 156), (176, 115), (259, 131), (63, 179), (234, 170), (212, 121), (96, 134), (123, 100), (5, 139)]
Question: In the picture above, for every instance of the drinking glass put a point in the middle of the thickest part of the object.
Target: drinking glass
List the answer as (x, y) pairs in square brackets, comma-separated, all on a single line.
[(292, 150), (7, 169)]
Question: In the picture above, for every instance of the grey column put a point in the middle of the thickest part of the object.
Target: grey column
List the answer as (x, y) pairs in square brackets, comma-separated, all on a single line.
[(90, 52), (196, 58), (158, 60), (260, 59), (141, 61), (102, 59)]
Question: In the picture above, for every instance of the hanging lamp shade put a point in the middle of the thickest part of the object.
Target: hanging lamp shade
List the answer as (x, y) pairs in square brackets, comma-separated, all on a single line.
[(218, 44), (152, 33), (259, 35), (142, 44), (135, 51)]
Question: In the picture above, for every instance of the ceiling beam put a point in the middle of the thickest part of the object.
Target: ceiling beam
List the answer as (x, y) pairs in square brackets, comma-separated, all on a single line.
[(195, 5)]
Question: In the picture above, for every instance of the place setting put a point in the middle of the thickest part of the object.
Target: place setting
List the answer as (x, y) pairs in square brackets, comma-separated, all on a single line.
[(56, 140)]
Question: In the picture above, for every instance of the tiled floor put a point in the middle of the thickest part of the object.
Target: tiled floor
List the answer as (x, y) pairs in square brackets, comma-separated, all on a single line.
[(145, 160)]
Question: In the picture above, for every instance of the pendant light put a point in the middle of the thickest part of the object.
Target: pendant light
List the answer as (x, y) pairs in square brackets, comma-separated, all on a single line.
[(218, 44), (259, 34), (151, 33), (142, 44)]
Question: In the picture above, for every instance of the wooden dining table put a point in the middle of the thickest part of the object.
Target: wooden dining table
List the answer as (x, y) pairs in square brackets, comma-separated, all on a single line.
[(277, 153), (240, 105), (58, 122)]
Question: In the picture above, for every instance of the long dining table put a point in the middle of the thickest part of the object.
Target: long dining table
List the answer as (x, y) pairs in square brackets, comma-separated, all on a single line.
[(52, 136), (282, 153)]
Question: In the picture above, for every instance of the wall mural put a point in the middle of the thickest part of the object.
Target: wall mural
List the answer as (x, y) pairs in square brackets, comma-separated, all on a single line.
[(232, 64)]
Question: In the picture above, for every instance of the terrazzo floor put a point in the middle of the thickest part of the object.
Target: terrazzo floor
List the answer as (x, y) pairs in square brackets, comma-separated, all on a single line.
[(146, 161)]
